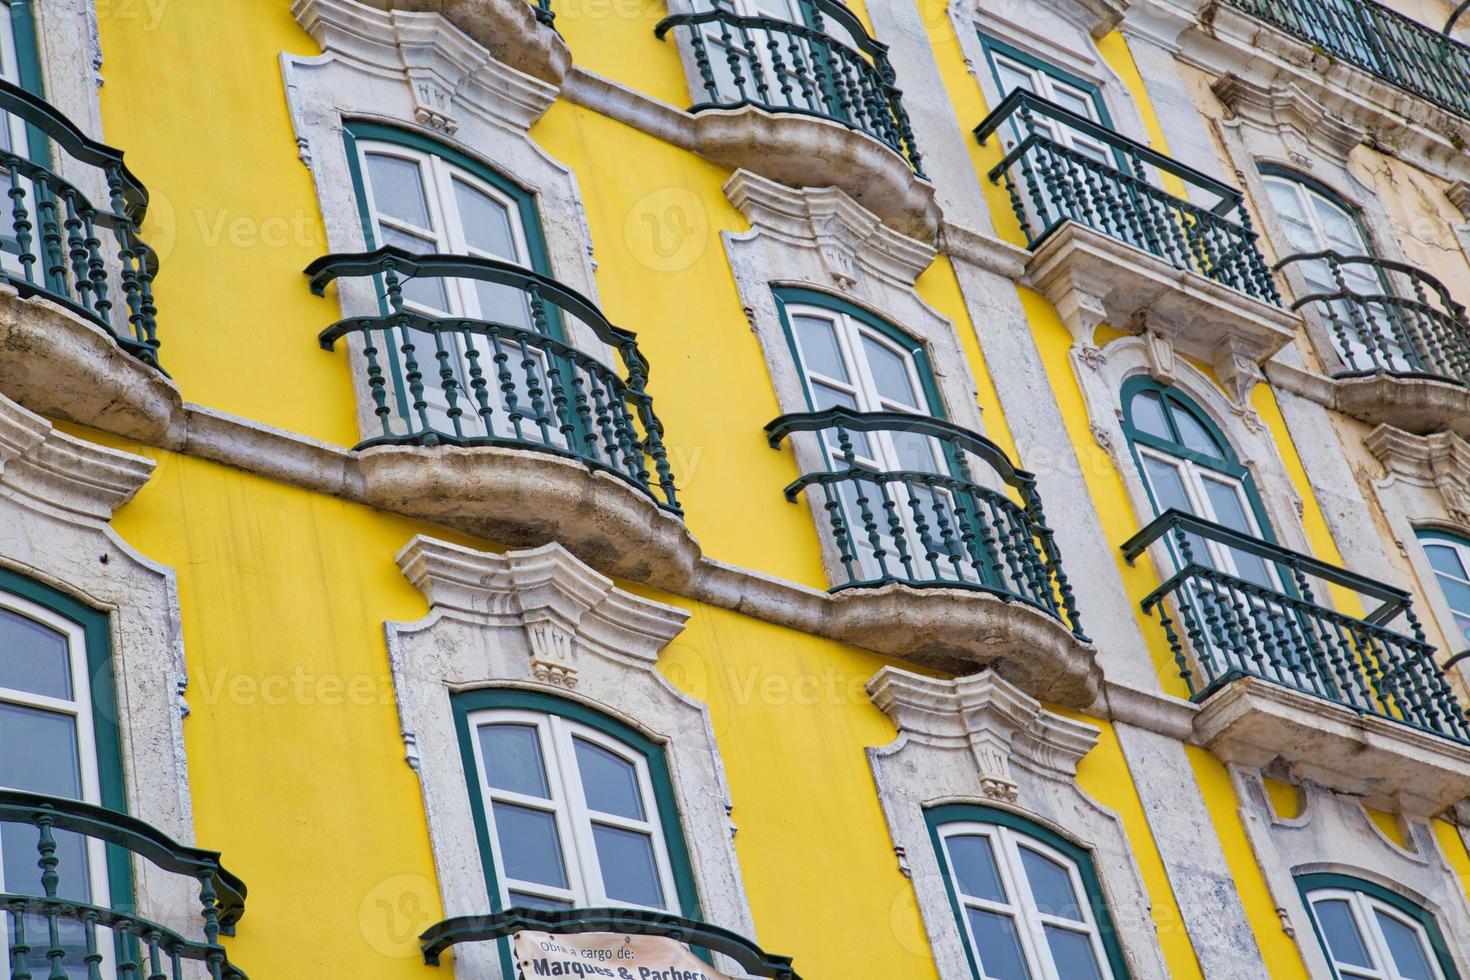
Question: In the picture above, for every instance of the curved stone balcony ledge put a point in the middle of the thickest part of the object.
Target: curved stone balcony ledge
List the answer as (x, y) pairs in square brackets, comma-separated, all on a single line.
[(1253, 722), (961, 630), (58, 363), (523, 497), (808, 151), (514, 32), (1415, 403)]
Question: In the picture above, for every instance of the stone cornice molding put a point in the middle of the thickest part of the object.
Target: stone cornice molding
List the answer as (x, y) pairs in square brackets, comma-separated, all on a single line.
[(1003, 725), (850, 239), (56, 472), (982, 250), (1440, 460), (561, 601), (450, 71), (1219, 39), (1301, 120)]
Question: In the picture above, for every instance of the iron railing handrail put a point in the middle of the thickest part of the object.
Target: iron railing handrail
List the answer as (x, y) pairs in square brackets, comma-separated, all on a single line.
[(856, 30), (409, 265), (1396, 61), (1012, 553), (637, 922), (1394, 599), (1412, 271), (1020, 97), (779, 428), (132, 834), (39, 113)]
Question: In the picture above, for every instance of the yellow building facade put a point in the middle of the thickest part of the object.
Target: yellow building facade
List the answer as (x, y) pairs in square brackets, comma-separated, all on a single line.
[(955, 491)]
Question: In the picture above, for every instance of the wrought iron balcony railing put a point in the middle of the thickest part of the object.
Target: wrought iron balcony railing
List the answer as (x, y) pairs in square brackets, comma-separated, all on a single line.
[(56, 241), (1245, 607), (1385, 316), (544, 13), (1060, 167), (931, 520), (828, 67), (503, 380), (1383, 42), (54, 926), (628, 922)]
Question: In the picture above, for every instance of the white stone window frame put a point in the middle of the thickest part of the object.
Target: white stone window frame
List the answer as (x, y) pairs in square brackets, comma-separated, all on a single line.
[(541, 620), (1057, 33), (1334, 833), (57, 496), (1102, 373), (979, 740), (418, 73), (822, 241)]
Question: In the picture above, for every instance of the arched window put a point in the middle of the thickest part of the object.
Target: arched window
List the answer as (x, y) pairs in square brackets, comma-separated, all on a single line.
[(1026, 900), (1187, 465), (1314, 219), (1449, 555), (851, 359), (431, 199), (56, 700), (1371, 933), (574, 809)]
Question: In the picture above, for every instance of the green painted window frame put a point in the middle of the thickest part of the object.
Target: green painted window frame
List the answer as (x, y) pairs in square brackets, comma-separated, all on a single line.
[(787, 295), (1422, 534), (1306, 883), (1231, 465), (466, 703), (356, 130), (993, 46), (945, 814), (97, 632)]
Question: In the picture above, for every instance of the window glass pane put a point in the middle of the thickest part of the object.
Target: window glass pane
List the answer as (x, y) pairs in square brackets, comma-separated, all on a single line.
[(486, 222), (629, 870), (1339, 228), (1457, 594), (513, 762), (1148, 415), (1463, 624), (1194, 434), (997, 945), (890, 374), (1051, 885), (1341, 932), (1406, 948), (50, 763), (530, 845), (1445, 559), (819, 348), (33, 657), (398, 190), (1229, 510), (527, 900), (1073, 954), (1168, 485), (915, 452), (972, 860), (609, 782), (1013, 77)]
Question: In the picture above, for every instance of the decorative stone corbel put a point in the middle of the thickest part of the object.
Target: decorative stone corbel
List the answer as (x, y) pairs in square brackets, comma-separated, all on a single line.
[(1160, 352), (1440, 460), (1307, 130)]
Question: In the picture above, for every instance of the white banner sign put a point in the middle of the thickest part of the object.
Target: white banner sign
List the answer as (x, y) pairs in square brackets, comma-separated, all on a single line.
[(608, 956)]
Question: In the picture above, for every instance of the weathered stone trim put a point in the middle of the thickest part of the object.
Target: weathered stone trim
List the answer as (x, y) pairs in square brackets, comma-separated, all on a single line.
[(542, 620), (1332, 833), (57, 497), (978, 739)]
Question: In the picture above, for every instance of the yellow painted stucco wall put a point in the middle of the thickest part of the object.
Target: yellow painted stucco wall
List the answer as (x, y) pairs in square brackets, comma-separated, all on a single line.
[(282, 589)]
